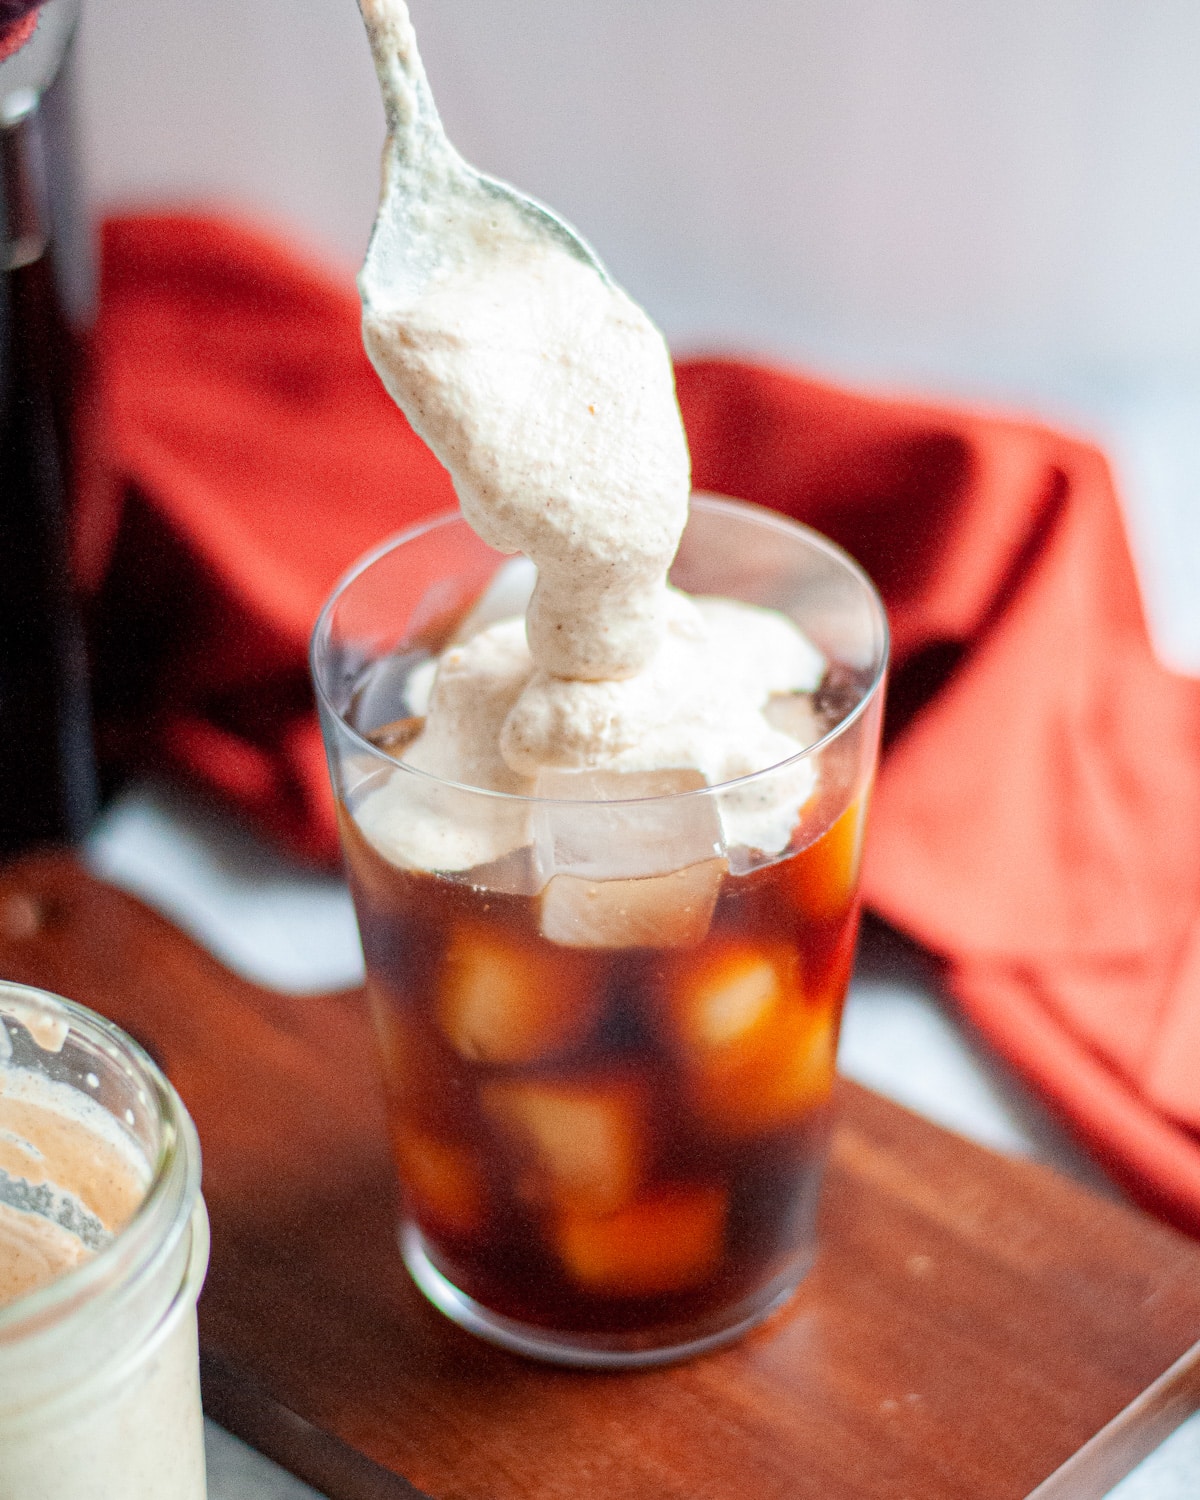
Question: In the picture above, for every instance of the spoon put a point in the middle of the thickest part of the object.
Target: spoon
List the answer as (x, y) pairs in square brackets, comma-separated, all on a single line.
[(435, 213), (546, 392)]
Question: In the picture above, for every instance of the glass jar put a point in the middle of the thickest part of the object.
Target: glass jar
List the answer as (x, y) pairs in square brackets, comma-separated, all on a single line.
[(99, 1368)]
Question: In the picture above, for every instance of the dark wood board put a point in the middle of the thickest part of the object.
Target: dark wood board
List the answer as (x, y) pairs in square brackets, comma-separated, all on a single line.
[(974, 1326)]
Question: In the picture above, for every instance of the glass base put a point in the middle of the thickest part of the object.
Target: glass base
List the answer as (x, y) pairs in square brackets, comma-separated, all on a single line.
[(585, 1350)]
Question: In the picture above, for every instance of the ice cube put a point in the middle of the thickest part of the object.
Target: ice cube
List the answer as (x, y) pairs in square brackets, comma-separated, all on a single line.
[(440, 1179), (785, 1072), (627, 861), (503, 1001), (796, 715), (720, 998), (759, 815), (505, 598), (667, 1242), (757, 1051), (433, 820), (515, 873), (418, 822), (578, 1143), (622, 825), (658, 911), (731, 1003)]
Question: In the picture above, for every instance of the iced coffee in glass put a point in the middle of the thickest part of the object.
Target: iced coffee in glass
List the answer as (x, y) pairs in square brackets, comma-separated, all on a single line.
[(607, 1003)]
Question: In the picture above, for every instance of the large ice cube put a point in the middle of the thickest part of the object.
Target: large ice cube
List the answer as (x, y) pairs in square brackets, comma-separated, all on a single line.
[(759, 815), (731, 996), (418, 822), (758, 1052), (503, 1001), (620, 825), (785, 1071), (515, 873), (666, 1242), (579, 1143), (790, 1074), (628, 862), (432, 820), (658, 911)]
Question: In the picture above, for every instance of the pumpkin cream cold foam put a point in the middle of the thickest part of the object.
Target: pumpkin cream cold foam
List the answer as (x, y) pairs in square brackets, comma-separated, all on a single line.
[(101, 1257), (550, 398)]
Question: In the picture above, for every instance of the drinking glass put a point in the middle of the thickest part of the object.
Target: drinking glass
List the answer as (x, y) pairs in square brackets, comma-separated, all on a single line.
[(607, 1036)]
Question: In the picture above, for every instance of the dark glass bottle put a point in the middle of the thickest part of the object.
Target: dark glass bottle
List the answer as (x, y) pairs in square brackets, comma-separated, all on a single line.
[(47, 779)]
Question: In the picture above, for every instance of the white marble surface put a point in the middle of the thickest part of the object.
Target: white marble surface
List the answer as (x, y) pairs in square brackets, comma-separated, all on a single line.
[(237, 1472), (295, 931)]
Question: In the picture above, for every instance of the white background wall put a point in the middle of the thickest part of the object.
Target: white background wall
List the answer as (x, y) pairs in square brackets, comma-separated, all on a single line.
[(998, 196)]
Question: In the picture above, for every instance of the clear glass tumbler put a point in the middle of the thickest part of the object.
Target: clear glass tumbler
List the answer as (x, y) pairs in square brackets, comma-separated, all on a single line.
[(608, 1047), (99, 1368)]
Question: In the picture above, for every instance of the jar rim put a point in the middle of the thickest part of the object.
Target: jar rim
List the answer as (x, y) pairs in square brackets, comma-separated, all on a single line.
[(171, 1191)]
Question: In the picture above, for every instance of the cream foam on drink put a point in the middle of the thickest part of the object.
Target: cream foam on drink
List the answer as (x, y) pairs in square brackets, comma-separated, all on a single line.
[(549, 395)]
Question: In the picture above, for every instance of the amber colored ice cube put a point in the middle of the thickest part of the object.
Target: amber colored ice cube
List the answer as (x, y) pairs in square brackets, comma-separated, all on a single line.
[(441, 1180), (825, 875), (578, 1145), (501, 1001), (721, 996), (788, 1072), (757, 1052), (669, 1242)]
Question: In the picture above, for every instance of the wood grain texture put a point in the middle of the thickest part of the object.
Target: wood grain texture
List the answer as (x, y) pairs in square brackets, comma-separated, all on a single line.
[(972, 1322)]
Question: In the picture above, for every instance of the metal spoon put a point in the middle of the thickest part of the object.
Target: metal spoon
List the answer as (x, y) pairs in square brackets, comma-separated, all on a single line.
[(436, 214)]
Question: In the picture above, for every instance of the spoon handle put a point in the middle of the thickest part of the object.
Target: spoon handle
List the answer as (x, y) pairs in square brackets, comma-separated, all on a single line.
[(407, 98)]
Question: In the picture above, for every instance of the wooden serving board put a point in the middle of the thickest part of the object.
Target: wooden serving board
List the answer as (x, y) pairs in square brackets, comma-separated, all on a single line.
[(975, 1327)]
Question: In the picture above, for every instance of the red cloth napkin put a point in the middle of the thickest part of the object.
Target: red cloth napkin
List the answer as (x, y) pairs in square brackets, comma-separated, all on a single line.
[(18, 22), (1037, 821)]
